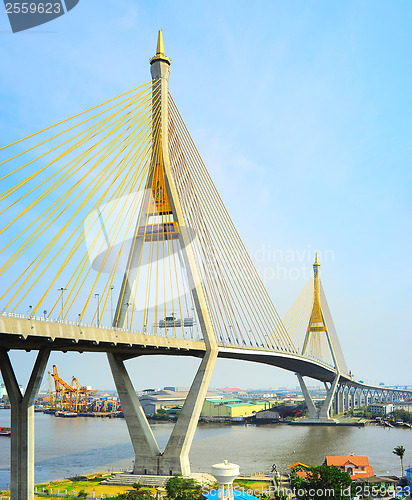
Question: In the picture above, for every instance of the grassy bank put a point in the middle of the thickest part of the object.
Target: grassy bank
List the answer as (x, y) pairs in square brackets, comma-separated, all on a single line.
[(88, 484)]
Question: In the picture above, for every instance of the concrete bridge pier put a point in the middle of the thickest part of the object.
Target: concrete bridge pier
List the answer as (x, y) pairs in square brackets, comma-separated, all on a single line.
[(358, 396), (341, 399), (323, 413), (313, 411), (345, 397), (22, 424), (175, 458), (338, 400), (144, 443), (148, 457), (326, 410)]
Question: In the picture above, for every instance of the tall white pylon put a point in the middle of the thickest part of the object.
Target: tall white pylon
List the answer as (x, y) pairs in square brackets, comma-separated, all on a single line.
[(175, 458), (317, 326)]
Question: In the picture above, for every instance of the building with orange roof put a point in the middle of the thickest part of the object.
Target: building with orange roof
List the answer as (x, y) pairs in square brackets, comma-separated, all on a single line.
[(356, 466), (299, 465)]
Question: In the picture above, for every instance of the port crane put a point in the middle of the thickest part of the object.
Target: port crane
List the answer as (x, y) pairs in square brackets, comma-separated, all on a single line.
[(70, 397)]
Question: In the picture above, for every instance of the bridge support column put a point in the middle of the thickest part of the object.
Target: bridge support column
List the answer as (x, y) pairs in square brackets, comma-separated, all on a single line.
[(22, 424), (346, 390), (358, 396), (175, 458), (144, 443), (313, 411), (325, 411), (341, 398), (148, 457), (344, 398), (352, 398)]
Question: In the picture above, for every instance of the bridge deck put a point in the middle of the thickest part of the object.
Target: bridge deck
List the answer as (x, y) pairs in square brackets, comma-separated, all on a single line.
[(18, 331), (21, 332)]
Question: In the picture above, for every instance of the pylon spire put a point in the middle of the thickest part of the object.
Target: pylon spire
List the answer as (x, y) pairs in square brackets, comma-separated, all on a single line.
[(160, 47), (316, 322), (160, 50), (316, 310)]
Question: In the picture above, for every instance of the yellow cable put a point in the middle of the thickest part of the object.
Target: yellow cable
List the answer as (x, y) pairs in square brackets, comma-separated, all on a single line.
[(49, 246), (10, 191), (59, 203), (75, 116), (95, 282), (79, 143), (86, 304)]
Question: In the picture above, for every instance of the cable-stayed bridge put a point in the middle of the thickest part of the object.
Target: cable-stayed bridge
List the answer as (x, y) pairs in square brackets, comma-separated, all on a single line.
[(110, 217)]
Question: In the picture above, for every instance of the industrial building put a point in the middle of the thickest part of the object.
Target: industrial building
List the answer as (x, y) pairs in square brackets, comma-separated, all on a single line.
[(403, 405), (232, 408), (381, 408), (269, 415), (165, 399)]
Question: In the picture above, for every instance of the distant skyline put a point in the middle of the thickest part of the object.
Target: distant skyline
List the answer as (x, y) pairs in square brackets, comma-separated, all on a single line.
[(301, 112)]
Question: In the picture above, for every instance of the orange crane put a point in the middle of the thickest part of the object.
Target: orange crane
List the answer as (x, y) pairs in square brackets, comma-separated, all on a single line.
[(72, 398), (51, 392)]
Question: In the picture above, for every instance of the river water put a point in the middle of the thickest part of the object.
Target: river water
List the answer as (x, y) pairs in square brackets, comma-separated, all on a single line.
[(66, 447)]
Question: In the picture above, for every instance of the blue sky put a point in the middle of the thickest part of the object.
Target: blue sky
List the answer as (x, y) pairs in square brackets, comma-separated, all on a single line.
[(301, 111)]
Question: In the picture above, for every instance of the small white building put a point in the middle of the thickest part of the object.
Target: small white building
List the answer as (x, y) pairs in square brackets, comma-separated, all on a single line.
[(3, 391), (381, 408), (403, 405)]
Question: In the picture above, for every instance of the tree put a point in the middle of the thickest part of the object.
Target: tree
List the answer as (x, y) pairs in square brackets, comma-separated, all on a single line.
[(323, 482), (183, 488), (400, 452), (403, 415), (138, 493)]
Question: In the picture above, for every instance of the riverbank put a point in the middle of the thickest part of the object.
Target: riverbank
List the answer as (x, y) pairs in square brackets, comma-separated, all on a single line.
[(70, 447), (70, 488), (348, 422), (95, 486), (341, 420)]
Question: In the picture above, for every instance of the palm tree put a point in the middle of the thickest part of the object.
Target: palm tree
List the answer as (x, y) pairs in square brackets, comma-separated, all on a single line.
[(400, 452)]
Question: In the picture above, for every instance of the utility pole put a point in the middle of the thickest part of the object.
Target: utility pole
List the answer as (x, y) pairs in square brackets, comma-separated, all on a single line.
[(111, 305), (98, 303), (62, 290)]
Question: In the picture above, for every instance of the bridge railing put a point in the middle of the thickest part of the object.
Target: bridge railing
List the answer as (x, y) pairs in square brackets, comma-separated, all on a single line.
[(268, 348), (152, 333), (80, 324)]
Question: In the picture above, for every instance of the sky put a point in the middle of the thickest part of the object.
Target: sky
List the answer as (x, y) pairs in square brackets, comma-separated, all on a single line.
[(301, 112)]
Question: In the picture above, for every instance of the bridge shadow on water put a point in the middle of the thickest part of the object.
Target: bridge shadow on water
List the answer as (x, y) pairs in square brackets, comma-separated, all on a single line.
[(91, 460)]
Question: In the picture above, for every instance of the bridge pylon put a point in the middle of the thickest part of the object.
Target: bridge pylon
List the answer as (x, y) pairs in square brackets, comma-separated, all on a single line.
[(175, 458), (312, 345)]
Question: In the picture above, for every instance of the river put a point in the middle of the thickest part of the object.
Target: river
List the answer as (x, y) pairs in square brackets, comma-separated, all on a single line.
[(66, 447)]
